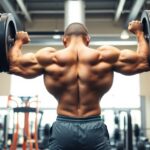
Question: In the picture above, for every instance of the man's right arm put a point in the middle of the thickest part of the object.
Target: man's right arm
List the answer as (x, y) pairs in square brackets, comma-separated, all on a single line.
[(127, 61), (132, 62)]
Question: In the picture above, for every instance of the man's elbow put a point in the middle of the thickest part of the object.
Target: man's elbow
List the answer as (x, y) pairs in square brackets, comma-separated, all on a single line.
[(25, 73), (17, 71)]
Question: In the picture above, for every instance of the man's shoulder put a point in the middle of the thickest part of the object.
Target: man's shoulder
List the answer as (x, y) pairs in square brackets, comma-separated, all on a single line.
[(105, 47), (108, 48), (49, 49), (109, 52), (46, 50)]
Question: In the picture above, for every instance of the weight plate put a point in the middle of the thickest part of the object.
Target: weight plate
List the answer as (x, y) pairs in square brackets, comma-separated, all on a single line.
[(7, 33), (145, 19), (2, 40)]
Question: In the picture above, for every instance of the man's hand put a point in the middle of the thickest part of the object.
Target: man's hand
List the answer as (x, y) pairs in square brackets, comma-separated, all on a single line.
[(23, 36), (135, 27)]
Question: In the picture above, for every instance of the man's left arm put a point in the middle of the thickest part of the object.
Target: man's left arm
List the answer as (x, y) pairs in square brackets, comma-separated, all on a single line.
[(24, 65), (131, 62)]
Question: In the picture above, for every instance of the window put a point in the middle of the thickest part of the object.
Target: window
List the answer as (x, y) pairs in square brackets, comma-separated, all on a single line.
[(124, 93)]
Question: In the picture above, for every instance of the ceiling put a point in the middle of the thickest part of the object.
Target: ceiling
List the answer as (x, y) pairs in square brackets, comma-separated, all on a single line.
[(31, 14)]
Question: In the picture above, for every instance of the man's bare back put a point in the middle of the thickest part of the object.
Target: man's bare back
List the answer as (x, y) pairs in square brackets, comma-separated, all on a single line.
[(78, 76), (78, 80)]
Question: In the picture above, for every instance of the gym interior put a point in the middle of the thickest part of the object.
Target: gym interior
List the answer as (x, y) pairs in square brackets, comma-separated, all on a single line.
[(27, 110)]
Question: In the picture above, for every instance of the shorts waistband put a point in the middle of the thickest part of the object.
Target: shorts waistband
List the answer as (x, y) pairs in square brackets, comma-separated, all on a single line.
[(73, 119)]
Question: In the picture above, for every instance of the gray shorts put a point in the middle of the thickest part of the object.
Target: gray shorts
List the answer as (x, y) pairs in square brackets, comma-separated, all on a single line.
[(69, 133)]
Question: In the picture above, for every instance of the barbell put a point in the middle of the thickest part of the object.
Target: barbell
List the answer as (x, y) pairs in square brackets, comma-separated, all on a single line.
[(8, 33), (7, 37), (145, 19)]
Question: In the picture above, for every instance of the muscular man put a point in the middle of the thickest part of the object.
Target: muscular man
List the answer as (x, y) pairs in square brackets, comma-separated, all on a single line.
[(78, 76)]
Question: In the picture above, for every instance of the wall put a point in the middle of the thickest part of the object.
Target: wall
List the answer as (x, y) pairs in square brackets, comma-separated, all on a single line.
[(94, 26), (145, 92), (4, 84)]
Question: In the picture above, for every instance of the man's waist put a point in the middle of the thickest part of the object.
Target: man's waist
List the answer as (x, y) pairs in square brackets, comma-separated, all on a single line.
[(80, 119)]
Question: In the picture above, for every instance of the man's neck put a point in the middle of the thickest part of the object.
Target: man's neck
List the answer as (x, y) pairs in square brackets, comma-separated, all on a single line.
[(76, 41)]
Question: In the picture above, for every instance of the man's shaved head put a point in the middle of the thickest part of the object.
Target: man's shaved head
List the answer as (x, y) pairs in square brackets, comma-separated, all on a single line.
[(76, 29)]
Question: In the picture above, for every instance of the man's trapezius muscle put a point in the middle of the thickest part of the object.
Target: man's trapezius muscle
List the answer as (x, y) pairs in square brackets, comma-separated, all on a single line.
[(78, 76)]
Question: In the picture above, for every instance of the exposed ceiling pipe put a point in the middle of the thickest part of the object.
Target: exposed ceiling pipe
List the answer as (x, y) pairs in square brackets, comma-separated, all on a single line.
[(9, 9), (24, 10), (91, 11), (119, 9), (74, 11)]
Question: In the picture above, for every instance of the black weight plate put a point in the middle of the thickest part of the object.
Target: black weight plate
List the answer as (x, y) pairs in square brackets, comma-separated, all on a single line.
[(9, 32), (2, 41), (10, 29), (145, 19), (10, 36)]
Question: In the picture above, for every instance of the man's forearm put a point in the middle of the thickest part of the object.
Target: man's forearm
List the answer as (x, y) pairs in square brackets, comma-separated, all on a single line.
[(15, 51), (143, 46)]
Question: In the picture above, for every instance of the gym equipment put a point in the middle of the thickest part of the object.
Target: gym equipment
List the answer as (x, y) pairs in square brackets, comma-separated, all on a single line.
[(123, 139), (116, 118), (117, 135), (136, 132), (141, 145), (46, 135), (6, 123), (120, 146), (5, 132), (129, 132), (117, 131), (29, 141), (7, 38), (145, 19)]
